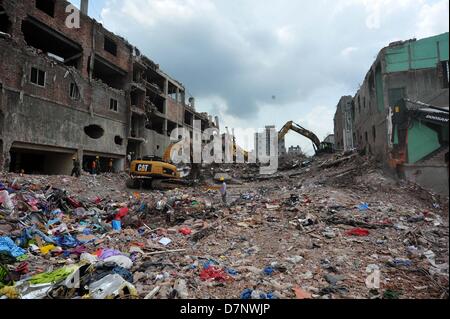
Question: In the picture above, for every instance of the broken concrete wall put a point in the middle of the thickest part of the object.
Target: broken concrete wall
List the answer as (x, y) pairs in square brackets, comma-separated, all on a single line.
[(429, 176), (43, 122), (419, 85), (155, 144), (101, 99), (370, 119), (122, 57), (16, 65), (343, 124), (174, 111), (48, 115), (22, 10)]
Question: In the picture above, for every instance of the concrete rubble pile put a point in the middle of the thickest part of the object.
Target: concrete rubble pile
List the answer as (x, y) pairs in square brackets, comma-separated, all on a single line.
[(330, 228)]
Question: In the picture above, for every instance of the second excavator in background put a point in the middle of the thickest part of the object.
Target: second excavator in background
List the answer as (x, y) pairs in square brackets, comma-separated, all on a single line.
[(160, 173), (319, 147)]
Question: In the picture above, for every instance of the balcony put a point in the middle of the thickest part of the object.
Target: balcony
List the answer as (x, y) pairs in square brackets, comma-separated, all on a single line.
[(153, 87), (137, 110), (138, 86)]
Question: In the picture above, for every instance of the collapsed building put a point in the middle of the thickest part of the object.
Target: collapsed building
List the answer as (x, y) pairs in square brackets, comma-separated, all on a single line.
[(80, 91), (400, 113)]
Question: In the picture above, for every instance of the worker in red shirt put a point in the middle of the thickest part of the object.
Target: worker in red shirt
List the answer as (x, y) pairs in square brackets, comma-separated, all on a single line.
[(94, 166)]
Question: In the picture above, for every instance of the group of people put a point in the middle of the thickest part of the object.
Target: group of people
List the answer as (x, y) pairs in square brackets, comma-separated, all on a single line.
[(94, 166)]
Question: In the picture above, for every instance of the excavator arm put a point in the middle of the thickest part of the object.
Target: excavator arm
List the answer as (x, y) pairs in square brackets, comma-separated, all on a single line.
[(300, 130), (236, 148), (166, 156)]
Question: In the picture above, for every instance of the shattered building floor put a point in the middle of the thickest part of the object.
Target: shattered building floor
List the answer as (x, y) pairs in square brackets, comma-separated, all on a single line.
[(322, 231)]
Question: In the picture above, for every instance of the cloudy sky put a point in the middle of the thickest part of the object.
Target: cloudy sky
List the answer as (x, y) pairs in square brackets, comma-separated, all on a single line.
[(256, 63)]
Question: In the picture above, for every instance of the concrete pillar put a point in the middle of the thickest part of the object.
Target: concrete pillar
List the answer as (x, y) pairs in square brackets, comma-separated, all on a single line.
[(165, 127), (80, 153), (1, 155), (216, 121), (166, 87), (6, 155), (84, 6), (166, 93)]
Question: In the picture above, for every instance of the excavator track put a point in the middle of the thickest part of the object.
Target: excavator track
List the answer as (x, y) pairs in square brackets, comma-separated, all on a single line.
[(159, 184), (167, 184)]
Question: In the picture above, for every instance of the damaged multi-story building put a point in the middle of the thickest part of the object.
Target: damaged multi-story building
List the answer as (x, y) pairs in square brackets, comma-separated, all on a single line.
[(80, 91), (400, 113), (343, 124)]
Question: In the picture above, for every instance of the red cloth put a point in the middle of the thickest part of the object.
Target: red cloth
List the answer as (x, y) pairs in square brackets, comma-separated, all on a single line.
[(99, 252), (23, 268), (122, 213), (214, 273), (357, 232), (73, 202), (185, 231), (386, 221)]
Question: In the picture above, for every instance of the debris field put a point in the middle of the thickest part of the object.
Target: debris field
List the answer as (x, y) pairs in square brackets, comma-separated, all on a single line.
[(333, 227)]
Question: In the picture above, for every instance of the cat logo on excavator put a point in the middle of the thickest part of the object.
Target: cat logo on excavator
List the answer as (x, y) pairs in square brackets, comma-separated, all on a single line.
[(154, 172)]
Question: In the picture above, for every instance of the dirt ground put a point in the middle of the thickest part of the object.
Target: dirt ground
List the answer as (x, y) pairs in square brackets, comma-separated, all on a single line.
[(318, 231)]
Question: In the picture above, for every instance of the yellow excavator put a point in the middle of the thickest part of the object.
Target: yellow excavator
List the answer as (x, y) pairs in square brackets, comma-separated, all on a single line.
[(154, 172), (319, 147), (159, 173), (236, 148)]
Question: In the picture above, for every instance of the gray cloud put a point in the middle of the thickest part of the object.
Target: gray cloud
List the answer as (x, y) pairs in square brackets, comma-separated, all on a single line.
[(234, 56)]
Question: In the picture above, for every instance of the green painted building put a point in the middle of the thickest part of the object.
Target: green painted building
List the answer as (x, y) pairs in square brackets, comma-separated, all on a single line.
[(414, 55), (415, 71)]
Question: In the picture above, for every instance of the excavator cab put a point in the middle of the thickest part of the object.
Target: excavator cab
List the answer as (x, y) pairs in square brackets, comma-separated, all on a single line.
[(325, 148), (154, 173)]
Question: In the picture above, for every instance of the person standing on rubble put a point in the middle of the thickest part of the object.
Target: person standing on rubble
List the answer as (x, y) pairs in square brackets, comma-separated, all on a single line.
[(129, 158), (223, 190), (76, 167), (110, 165), (195, 171), (94, 166)]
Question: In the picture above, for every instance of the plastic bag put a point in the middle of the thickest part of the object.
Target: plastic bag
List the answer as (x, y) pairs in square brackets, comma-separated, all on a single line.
[(122, 261), (111, 286), (5, 200)]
